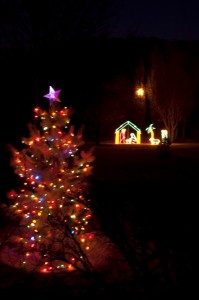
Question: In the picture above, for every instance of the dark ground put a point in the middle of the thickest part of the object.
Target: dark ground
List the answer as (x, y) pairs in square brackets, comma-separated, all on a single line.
[(145, 198), (149, 194)]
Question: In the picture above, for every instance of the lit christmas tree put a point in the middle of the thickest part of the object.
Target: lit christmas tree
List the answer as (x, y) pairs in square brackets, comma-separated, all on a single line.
[(53, 206)]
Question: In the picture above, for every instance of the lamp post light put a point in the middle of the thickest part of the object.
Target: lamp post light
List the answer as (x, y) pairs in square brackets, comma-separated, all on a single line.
[(141, 102), (141, 94)]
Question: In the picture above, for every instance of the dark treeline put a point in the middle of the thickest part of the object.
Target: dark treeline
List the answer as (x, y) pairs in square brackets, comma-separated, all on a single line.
[(97, 77), (68, 44), (80, 69)]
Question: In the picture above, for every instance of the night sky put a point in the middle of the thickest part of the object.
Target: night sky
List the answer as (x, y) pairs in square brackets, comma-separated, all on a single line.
[(170, 20), (161, 19)]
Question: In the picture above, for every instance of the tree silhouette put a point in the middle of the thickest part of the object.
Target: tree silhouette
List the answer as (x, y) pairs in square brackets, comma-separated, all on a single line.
[(36, 24), (171, 86)]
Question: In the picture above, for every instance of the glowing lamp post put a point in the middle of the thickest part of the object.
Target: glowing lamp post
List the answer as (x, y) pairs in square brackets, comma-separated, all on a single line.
[(140, 92)]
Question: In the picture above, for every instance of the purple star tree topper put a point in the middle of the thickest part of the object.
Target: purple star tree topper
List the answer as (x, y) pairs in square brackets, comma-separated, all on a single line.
[(53, 95)]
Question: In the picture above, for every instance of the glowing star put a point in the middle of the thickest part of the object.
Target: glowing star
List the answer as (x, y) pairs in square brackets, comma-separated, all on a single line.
[(52, 95)]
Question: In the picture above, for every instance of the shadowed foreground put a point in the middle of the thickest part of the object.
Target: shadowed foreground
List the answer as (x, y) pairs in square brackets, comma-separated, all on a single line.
[(144, 199)]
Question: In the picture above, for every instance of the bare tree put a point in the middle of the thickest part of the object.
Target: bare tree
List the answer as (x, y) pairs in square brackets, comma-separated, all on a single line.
[(171, 86)]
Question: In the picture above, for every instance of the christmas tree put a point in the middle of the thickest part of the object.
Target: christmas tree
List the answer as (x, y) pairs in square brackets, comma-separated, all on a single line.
[(53, 207)]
